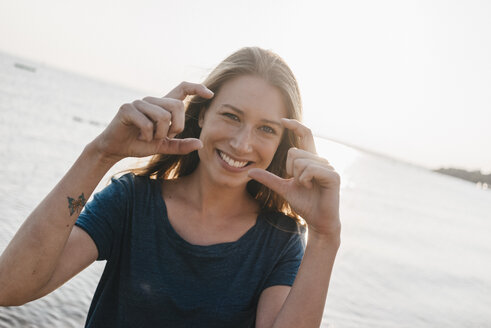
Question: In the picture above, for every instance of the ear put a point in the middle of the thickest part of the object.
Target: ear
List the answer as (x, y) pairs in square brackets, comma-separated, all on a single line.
[(201, 117)]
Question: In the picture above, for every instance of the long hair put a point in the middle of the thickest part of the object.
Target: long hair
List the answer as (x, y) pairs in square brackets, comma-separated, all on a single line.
[(246, 61)]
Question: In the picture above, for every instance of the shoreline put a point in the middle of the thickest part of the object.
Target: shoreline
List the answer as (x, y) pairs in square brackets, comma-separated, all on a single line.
[(471, 176)]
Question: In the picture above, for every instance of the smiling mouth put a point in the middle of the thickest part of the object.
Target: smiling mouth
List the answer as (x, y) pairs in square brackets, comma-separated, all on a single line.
[(232, 162)]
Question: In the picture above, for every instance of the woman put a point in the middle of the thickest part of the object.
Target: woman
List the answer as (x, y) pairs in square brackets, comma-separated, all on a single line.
[(206, 234)]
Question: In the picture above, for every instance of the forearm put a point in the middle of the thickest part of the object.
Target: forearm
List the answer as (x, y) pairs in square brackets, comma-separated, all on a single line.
[(305, 303), (31, 257)]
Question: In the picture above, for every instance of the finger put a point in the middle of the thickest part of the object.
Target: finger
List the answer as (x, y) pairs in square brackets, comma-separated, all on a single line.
[(299, 166), (295, 153), (160, 117), (323, 175), (270, 180), (132, 116), (187, 89), (175, 108), (307, 175), (180, 146), (306, 139)]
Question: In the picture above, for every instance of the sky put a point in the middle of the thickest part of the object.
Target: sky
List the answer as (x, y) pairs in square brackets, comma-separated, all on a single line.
[(408, 79)]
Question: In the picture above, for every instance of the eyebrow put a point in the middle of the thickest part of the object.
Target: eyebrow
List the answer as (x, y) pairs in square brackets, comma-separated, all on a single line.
[(242, 113)]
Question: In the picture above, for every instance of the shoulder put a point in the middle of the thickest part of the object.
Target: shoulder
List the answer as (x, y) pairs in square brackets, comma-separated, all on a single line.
[(127, 179), (131, 181), (125, 187), (284, 237), (284, 223)]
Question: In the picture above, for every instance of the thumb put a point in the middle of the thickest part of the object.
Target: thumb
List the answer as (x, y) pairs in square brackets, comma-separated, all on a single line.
[(180, 146), (270, 180)]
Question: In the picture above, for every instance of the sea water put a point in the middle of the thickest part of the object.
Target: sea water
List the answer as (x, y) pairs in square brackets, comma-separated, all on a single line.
[(415, 246)]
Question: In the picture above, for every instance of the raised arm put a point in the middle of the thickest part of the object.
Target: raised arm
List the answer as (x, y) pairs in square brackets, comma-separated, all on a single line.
[(47, 250), (30, 259), (313, 192)]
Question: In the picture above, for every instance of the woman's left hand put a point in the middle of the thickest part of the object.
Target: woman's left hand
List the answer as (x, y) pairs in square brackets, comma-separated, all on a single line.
[(313, 189)]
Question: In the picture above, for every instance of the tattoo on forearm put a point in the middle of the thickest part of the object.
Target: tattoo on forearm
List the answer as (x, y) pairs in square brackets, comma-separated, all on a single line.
[(76, 205)]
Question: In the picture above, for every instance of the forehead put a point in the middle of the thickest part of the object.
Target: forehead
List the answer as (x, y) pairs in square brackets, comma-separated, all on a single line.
[(254, 96)]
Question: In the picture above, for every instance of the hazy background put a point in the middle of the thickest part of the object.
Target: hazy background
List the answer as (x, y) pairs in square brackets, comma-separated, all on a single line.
[(415, 243), (409, 79)]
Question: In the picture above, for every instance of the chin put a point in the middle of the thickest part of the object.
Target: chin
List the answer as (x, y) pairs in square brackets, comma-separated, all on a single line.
[(231, 182)]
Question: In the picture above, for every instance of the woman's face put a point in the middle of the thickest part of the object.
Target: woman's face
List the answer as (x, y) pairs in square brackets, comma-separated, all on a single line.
[(241, 130)]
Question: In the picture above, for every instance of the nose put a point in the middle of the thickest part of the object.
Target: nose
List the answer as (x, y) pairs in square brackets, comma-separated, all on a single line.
[(242, 141)]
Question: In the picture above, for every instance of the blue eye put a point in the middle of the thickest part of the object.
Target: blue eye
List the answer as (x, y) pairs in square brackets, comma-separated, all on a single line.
[(268, 129), (231, 116)]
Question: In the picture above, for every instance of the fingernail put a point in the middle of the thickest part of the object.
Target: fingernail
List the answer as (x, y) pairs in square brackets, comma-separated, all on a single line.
[(200, 145)]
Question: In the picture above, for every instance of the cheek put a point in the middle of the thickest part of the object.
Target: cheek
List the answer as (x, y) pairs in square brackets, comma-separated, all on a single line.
[(217, 129), (212, 134), (268, 149)]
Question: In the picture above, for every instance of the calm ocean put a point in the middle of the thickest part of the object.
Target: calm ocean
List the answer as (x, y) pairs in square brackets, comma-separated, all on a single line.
[(415, 246)]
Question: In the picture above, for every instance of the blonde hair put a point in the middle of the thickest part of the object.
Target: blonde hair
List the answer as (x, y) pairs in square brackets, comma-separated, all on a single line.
[(246, 61)]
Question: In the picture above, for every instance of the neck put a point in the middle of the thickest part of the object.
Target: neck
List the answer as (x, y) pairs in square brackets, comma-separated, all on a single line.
[(216, 201)]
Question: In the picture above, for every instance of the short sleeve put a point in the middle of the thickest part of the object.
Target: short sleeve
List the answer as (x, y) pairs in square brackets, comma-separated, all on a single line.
[(286, 268), (103, 216)]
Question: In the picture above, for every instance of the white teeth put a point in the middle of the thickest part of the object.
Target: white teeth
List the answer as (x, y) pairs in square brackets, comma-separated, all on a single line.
[(230, 161)]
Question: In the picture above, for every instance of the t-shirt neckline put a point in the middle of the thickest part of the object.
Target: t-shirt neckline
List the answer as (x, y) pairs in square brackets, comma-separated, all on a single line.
[(219, 249)]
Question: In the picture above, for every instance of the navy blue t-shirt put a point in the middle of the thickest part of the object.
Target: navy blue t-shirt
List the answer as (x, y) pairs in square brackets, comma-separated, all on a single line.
[(154, 278)]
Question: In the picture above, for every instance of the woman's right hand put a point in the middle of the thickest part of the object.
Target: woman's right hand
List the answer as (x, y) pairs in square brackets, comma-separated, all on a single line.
[(148, 126)]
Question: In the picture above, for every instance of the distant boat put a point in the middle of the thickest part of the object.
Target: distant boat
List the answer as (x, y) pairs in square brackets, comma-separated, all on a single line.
[(25, 67)]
